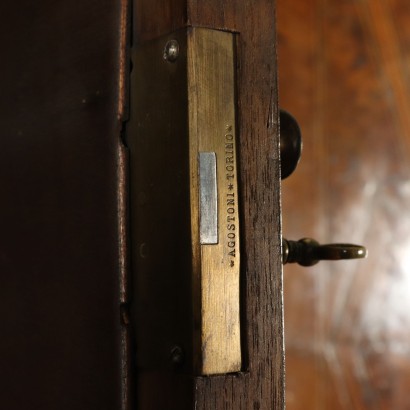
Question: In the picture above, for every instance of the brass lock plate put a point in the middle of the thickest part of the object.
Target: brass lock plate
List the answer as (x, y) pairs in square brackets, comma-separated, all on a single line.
[(184, 202)]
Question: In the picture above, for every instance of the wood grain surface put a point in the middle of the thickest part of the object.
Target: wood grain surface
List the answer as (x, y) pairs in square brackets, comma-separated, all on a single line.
[(61, 107), (344, 74), (261, 384)]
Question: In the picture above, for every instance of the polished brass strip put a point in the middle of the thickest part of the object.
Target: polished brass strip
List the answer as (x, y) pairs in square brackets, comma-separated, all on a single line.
[(211, 102)]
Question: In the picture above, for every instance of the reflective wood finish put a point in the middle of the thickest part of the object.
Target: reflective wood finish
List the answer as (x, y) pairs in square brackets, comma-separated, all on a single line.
[(344, 74)]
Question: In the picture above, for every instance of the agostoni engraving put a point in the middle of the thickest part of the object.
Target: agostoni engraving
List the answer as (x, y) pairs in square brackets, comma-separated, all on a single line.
[(231, 195)]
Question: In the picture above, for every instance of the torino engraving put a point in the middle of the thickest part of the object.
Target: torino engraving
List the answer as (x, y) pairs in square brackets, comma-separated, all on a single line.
[(231, 200)]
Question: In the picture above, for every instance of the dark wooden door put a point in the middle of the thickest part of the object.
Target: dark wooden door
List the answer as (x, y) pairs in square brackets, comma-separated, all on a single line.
[(60, 218), (66, 256)]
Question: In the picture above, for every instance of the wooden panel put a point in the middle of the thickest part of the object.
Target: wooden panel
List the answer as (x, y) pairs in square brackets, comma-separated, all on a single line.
[(61, 112), (261, 385), (152, 19), (344, 75)]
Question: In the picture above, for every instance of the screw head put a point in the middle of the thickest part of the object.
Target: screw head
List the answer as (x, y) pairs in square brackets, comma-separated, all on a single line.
[(171, 51), (177, 355)]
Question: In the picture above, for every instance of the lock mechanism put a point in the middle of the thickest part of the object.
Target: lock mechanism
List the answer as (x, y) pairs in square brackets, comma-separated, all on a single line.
[(307, 251), (185, 226)]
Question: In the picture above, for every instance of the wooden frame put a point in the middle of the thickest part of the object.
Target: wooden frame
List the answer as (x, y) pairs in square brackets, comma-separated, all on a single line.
[(65, 261), (261, 383)]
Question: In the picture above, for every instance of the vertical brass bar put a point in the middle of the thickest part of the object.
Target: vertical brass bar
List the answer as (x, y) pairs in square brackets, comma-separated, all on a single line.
[(211, 102), (184, 212)]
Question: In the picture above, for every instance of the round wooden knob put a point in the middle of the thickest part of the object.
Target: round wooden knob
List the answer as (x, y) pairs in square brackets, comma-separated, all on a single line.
[(290, 143)]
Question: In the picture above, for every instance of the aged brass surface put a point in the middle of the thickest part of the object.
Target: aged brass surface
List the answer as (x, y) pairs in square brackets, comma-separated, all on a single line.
[(211, 92), (182, 141)]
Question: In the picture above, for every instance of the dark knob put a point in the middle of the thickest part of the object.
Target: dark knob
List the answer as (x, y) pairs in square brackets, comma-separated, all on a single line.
[(290, 143), (308, 252)]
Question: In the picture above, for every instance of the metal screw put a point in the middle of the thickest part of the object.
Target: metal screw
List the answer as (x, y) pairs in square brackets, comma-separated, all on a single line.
[(177, 355), (171, 51)]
